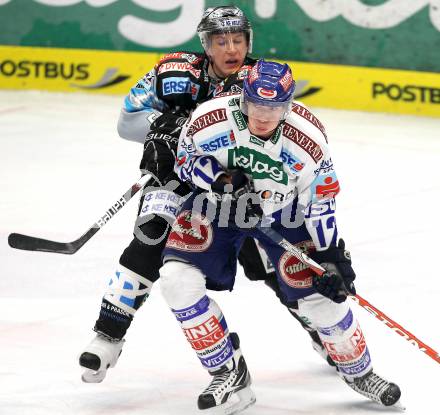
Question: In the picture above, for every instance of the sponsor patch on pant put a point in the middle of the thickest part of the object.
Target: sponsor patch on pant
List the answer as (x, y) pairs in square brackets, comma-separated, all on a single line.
[(190, 232)]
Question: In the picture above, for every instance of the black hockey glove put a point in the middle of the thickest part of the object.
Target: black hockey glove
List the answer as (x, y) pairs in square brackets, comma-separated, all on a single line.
[(169, 123), (161, 144), (159, 156), (337, 282), (238, 186)]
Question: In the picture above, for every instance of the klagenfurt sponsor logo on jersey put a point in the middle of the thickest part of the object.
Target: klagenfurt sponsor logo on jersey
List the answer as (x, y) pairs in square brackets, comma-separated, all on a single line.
[(307, 115), (294, 163), (302, 140), (293, 272), (222, 140), (407, 93), (206, 120), (190, 232), (179, 67), (276, 135), (180, 85), (239, 120), (257, 141), (259, 165)]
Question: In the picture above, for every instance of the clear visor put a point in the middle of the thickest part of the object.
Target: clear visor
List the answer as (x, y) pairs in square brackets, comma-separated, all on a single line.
[(270, 112), (227, 40)]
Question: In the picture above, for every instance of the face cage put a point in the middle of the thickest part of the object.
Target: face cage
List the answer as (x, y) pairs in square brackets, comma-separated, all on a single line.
[(267, 111), (205, 37)]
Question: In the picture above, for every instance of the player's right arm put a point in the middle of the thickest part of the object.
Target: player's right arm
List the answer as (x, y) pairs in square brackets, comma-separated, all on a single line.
[(193, 164), (141, 107)]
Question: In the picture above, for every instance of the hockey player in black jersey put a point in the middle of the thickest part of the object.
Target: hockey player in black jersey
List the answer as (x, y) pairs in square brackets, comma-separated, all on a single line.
[(153, 113)]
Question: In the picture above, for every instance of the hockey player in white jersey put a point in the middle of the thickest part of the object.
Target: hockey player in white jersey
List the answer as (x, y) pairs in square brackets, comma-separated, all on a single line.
[(261, 147)]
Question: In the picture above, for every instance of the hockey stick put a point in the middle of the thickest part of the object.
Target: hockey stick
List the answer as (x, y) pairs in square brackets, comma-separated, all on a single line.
[(296, 252), (32, 243)]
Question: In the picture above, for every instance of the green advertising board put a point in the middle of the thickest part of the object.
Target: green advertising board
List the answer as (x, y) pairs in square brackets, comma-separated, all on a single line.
[(376, 33)]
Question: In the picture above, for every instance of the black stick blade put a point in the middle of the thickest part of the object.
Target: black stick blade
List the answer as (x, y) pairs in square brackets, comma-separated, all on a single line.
[(31, 243)]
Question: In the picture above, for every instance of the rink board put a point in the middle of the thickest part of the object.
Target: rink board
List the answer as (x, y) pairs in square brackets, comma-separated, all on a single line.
[(323, 85)]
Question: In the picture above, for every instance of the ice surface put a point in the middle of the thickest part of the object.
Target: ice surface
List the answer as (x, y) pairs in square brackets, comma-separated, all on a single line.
[(62, 165)]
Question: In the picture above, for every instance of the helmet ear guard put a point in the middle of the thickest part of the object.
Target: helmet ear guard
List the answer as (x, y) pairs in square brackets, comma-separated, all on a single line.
[(268, 91), (223, 20)]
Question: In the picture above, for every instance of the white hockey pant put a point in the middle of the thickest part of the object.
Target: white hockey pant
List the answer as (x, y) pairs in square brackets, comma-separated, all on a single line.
[(124, 287), (340, 333), (202, 321)]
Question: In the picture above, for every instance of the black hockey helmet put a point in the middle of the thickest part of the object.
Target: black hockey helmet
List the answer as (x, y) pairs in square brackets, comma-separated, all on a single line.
[(224, 19)]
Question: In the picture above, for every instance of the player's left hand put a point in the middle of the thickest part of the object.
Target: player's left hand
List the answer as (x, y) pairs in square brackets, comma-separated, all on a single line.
[(237, 184), (239, 187), (337, 282), (169, 123)]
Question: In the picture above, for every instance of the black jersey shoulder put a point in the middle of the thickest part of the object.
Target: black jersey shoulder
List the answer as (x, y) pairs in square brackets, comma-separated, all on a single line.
[(195, 59), (182, 79)]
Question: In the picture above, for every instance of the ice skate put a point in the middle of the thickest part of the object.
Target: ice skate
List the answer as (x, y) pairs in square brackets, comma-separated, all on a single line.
[(229, 391), (101, 354), (377, 389)]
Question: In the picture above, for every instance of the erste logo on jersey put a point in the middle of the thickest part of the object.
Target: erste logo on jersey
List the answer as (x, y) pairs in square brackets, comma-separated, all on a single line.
[(293, 162), (222, 140), (293, 272), (180, 85), (266, 93), (191, 232), (181, 158)]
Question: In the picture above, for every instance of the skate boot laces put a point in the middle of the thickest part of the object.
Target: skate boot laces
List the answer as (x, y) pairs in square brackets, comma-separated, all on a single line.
[(376, 388), (221, 382)]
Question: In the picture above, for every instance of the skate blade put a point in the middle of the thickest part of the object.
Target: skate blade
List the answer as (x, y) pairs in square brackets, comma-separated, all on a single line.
[(246, 398), (399, 406), (89, 376)]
